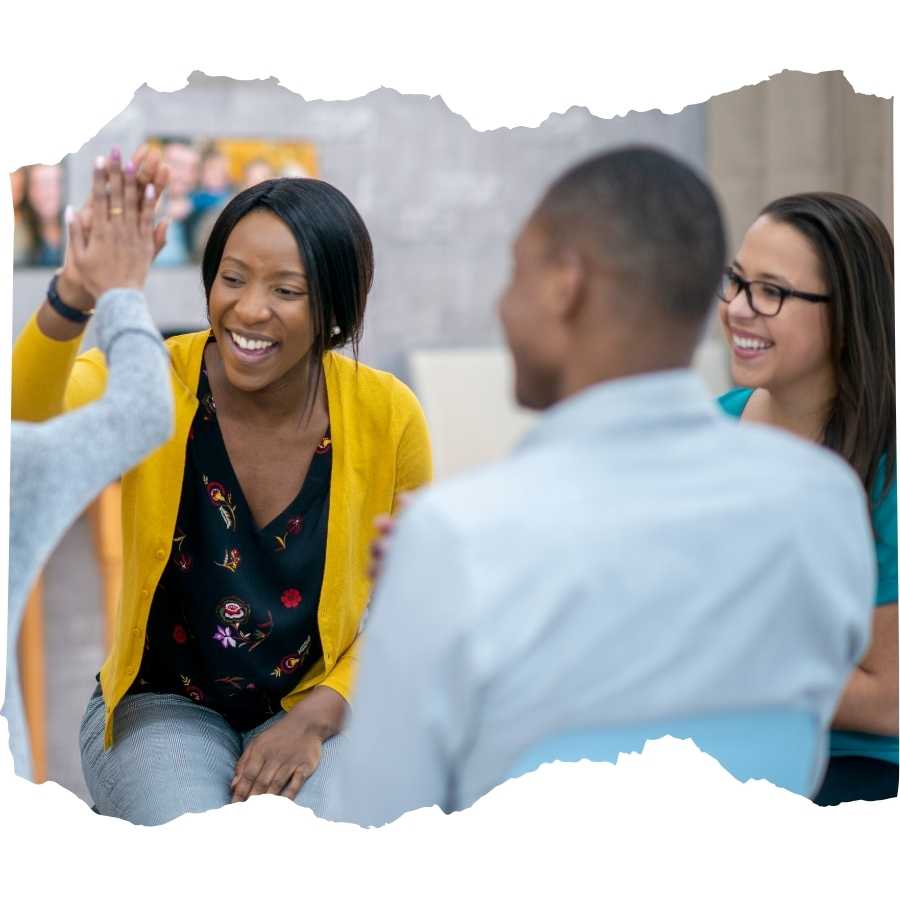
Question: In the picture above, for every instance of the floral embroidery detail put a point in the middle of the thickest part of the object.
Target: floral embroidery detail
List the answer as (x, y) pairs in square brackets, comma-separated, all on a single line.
[(192, 690), (224, 636), (293, 660), (182, 560), (190, 604), (294, 526), (232, 560), (258, 635), (221, 499), (233, 611)]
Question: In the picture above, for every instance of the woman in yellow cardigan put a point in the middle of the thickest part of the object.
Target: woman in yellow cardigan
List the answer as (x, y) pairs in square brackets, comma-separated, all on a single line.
[(246, 535)]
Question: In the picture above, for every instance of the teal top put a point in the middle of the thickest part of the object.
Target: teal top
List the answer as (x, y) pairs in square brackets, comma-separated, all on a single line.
[(884, 527)]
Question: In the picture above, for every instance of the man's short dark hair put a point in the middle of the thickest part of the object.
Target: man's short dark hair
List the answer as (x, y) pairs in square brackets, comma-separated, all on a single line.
[(642, 213)]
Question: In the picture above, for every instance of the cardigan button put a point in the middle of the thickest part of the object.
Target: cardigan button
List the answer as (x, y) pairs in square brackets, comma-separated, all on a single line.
[(145, 594), (161, 553)]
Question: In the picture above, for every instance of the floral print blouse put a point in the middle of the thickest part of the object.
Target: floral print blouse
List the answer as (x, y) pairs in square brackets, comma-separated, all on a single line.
[(233, 624)]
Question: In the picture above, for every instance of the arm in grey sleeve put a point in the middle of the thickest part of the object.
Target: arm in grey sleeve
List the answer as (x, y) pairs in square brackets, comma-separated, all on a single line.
[(413, 696), (57, 467)]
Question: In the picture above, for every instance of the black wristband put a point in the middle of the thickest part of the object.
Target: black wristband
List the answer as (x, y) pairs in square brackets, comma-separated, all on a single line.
[(66, 311)]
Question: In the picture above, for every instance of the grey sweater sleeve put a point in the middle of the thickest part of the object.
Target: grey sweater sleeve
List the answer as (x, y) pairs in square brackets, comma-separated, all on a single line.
[(57, 467)]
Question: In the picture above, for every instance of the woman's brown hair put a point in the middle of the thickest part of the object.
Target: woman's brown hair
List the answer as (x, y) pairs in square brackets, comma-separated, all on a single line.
[(856, 253)]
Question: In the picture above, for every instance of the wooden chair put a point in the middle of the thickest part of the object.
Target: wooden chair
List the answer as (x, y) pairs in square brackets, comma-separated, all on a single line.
[(105, 521), (32, 677), (106, 526)]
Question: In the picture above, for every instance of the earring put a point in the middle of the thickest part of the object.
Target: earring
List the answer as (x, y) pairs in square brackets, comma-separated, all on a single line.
[(335, 330)]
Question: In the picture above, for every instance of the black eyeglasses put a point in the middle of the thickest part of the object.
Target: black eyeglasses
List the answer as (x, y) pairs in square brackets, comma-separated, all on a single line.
[(765, 298)]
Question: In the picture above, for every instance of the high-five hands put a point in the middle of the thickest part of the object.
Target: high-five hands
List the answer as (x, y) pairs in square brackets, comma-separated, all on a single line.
[(147, 168), (121, 242)]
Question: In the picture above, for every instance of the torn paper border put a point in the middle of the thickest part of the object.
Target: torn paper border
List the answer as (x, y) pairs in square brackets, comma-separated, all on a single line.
[(665, 822)]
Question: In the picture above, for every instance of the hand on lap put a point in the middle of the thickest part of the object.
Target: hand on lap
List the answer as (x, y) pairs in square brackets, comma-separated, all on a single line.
[(285, 755)]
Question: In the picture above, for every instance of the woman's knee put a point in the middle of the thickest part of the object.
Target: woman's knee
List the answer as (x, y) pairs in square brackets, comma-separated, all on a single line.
[(169, 757)]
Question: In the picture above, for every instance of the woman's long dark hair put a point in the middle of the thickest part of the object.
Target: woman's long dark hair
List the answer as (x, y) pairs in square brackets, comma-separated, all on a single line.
[(28, 219), (856, 253), (335, 249)]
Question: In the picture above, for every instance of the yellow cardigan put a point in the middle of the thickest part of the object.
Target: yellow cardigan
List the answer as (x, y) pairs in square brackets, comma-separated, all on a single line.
[(380, 449)]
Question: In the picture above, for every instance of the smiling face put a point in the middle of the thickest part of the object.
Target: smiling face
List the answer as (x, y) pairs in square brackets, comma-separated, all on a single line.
[(793, 347), (259, 307)]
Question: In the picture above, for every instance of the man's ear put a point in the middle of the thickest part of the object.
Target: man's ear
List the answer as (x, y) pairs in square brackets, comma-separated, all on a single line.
[(568, 283)]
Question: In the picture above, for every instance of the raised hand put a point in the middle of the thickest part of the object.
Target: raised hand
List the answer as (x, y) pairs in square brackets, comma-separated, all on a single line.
[(148, 168), (118, 249)]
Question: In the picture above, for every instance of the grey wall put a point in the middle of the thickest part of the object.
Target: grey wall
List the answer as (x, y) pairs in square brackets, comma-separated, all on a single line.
[(442, 201)]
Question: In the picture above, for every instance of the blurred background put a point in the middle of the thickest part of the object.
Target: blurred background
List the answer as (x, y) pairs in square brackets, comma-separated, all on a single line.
[(442, 203)]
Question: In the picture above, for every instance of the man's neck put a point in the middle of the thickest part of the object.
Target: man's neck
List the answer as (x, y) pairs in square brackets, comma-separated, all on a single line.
[(591, 370)]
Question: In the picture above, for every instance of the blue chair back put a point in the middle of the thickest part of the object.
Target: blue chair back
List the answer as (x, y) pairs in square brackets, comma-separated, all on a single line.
[(785, 747)]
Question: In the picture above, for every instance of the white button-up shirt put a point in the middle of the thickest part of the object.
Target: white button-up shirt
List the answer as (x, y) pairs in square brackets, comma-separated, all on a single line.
[(639, 557)]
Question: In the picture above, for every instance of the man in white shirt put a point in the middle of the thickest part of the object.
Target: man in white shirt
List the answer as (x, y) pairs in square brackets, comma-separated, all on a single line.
[(639, 557)]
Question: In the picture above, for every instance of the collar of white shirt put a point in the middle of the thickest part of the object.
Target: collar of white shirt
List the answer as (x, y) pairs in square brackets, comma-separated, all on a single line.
[(642, 402)]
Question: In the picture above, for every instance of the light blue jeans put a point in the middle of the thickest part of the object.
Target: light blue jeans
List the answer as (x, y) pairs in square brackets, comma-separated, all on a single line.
[(172, 756)]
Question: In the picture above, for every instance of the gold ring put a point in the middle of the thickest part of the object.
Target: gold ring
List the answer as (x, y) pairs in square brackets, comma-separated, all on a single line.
[(116, 211)]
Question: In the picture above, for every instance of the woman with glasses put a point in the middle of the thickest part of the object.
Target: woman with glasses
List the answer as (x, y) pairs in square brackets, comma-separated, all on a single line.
[(808, 311)]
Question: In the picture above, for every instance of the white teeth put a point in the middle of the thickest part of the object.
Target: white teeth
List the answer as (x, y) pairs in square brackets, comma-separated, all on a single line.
[(246, 344), (751, 343)]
